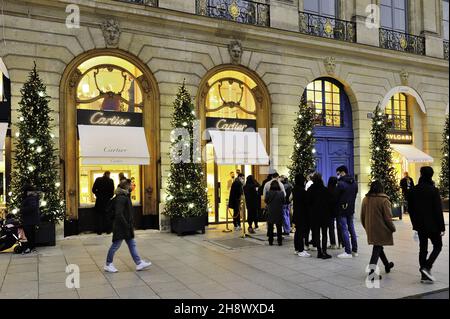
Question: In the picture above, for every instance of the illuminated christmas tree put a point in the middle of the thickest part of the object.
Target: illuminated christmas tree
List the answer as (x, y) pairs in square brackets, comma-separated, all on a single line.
[(303, 157), (187, 192), (381, 162), (443, 184), (35, 158)]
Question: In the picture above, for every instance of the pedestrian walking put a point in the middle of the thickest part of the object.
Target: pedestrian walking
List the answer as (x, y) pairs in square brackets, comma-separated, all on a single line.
[(300, 216), (103, 190), (347, 191), (30, 214), (318, 200), (251, 201), (376, 218), (234, 201), (275, 199), (427, 218), (334, 225), (123, 228), (406, 184), (287, 206)]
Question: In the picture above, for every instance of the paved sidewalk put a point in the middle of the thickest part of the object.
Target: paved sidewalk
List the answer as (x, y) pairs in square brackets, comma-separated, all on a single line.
[(204, 266)]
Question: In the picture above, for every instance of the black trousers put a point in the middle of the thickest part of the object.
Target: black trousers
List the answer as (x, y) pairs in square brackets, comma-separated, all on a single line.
[(30, 233), (320, 244), (252, 217), (102, 223), (279, 233), (236, 217), (300, 237), (378, 253), (436, 240)]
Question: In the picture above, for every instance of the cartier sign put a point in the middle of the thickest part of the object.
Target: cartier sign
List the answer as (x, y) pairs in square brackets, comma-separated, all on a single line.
[(109, 118), (225, 124), (401, 138)]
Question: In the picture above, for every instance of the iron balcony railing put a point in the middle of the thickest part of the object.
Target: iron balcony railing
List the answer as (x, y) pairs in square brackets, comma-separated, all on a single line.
[(399, 41), (243, 11), (329, 118), (150, 3), (399, 123), (446, 49), (327, 27)]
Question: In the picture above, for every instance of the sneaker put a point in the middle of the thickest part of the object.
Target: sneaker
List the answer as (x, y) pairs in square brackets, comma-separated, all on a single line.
[(304, 254), (110, 268), (345, 255), (142, 265), (26, 251), (388, 267), (355, 254), (427, 273)]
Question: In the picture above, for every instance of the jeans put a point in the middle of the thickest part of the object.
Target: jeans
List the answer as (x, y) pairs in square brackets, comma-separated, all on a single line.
[(287, 218), (116, 245), (348, 230), (332, 233), (377, 253), (270, 233), (436, 240)]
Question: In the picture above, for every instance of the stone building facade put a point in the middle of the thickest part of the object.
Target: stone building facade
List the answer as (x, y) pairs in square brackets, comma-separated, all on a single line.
[(184, 40)]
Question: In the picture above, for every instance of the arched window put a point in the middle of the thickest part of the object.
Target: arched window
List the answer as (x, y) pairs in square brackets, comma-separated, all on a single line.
[(230, 96), (327, 98), (397, 112)]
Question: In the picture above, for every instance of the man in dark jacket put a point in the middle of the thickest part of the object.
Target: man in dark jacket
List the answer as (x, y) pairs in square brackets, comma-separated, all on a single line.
[(427, 218), (103, 190), (30, 214), (347, 190), (234, 201), (406, 184), (123, 228)]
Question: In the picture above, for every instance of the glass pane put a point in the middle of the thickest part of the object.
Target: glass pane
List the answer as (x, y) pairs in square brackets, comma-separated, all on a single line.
[(311, 6), (210, 181), (399, 20), (310, 86), (310, 96), (327, 86), (328, 8), (335, 88), (386, 3), (318, 85), (318, 97), (336, 98), (328, 98), (400, 4), (386, 17)]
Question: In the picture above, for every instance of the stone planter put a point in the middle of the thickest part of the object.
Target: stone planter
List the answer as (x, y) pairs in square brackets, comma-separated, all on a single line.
[(186, 225)]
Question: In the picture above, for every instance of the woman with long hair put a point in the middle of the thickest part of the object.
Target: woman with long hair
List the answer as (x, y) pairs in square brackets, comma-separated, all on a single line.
[(251, 202), (275, 200)]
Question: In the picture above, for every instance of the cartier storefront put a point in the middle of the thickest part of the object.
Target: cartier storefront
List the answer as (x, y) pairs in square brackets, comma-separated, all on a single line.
[(110, 124)]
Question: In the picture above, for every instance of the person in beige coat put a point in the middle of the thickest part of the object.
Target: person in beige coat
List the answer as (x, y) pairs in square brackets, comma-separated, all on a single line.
[(376, 218)]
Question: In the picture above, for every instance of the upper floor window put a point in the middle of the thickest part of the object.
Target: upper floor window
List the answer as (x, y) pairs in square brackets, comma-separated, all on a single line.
[(394, 15), (445, 9), (326, 8), (397, 112), (326, 98)]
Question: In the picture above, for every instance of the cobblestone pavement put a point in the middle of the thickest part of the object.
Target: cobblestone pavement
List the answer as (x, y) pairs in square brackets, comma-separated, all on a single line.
[(206, 266)]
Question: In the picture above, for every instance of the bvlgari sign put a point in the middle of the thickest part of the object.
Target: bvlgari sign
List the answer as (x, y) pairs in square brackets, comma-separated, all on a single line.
[(400, 138), (108, 118)]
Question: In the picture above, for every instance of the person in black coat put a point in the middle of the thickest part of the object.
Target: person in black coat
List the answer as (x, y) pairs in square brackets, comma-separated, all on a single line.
[(123, 228), (300, 216), (332, 189), (234, 201), (103, 190), (318, 199), (427, 218), (30, 215), (251, 201), (275, 199), (406, 184)]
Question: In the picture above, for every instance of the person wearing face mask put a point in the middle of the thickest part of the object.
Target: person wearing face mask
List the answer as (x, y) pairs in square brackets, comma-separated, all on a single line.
[(123, 228), (234, 201)]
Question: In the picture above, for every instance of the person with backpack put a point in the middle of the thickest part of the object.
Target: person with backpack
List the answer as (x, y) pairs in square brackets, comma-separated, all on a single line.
[(123, 228)]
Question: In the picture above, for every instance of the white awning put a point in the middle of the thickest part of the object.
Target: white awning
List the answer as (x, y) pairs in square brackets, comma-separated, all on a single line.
[(412, 154), (239, 148), (3, 129), (112, 145)]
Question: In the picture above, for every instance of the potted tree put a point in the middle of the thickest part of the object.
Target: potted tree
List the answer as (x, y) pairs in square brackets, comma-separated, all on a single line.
[(381, 163), (186, 201), (35, 160), (443, 184)]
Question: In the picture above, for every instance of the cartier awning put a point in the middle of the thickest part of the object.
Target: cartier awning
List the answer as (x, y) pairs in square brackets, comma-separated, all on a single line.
[(239, 148), (412, 154), (109, 145)]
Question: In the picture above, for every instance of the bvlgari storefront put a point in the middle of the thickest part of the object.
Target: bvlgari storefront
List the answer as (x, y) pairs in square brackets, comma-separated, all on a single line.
[(234, 107), (110, 118)]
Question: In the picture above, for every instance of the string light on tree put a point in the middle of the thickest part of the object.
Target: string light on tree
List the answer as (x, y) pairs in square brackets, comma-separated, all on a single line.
[(443, 177)]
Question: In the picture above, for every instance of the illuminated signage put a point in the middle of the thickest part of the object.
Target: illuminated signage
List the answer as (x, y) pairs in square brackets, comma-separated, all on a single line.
[(109, 118), (225, 124), (401, 138)]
